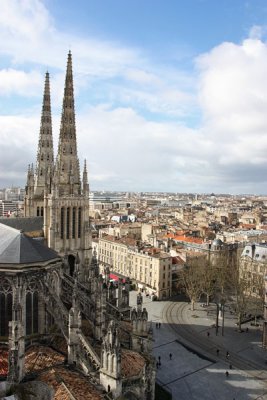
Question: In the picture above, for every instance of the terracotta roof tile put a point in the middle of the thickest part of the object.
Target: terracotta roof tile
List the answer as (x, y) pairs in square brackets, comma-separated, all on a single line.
[(73, 383), (38, 358), (132, 363), (3, 361), (188, 239)]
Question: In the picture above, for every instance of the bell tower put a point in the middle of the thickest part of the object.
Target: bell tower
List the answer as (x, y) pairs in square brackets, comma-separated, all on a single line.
[(39, 181), (66, 207)]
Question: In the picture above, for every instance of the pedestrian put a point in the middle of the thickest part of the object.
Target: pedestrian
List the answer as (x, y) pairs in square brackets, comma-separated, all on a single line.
[(227, 355), (156, 325), (159, 358), (159, 324), (217, 352), (247, 330), (226, 374), (208, 334), (170, 355), (230, 366)]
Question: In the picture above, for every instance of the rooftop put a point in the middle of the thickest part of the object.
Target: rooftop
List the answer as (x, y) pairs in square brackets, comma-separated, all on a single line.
[(17, 248)]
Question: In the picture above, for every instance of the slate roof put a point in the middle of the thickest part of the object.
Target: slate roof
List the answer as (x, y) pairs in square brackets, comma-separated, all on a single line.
[(24, 224), (17, 248)]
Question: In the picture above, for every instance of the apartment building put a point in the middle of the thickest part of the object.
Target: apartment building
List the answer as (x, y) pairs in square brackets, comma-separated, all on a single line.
[(148, 267), (253, 266)]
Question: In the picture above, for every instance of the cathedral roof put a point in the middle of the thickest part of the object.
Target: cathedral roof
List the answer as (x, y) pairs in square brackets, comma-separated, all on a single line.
[(31, 224), (17, 248)]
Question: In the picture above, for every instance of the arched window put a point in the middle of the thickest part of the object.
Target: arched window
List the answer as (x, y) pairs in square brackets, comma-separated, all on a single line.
[(28, 313), (73, 222), (35, 312), (5, 312), (9, 306), (38, 211), (42, 211), (62, 222), (79, 222), (68, 223), (31, 313), (2, 314), (71, 260)]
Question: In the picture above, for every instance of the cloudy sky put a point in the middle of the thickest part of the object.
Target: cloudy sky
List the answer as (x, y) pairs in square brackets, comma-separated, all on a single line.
[(170, 95)]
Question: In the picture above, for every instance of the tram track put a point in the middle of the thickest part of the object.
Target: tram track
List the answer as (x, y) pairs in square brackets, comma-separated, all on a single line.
[(173, 315)]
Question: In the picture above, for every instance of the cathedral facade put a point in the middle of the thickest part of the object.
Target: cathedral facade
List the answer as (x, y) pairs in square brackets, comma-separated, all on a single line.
[(54, 189)]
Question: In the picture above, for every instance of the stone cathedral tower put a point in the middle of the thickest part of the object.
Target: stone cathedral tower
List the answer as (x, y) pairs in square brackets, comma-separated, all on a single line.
[(55, 191), (40, 180)]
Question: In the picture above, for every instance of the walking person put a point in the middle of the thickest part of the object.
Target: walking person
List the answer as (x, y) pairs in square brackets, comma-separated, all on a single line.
[(170, 355), (217, 352)]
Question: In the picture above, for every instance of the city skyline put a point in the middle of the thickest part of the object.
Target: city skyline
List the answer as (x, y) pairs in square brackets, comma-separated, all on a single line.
[(169, 97)]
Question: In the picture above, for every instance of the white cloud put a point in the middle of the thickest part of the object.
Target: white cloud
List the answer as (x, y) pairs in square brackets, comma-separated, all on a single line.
[(257, 31), (18, 82), (28, 34), (125, 149)]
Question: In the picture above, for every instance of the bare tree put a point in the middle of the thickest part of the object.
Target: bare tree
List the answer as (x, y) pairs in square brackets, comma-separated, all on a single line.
[(192, 279), (208, 279), (246, 291)]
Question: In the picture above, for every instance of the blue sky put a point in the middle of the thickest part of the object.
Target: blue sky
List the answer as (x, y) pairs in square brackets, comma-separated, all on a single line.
[(170, 95)]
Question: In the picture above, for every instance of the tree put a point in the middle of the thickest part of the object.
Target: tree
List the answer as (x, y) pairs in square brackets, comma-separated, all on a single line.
[(208, 279), (246, 291), (192, 279)]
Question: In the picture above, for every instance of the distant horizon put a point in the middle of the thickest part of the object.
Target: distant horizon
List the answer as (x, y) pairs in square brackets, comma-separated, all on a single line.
[(158, 192), (167, 95)]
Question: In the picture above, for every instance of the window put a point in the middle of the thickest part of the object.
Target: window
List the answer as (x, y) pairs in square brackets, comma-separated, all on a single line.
[(62, 222), (68, 223), (73, 221), (79, 222)]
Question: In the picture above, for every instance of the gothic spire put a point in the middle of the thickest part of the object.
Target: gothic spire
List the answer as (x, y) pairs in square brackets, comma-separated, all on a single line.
[(85, 180), (45, 154), (68, 169)]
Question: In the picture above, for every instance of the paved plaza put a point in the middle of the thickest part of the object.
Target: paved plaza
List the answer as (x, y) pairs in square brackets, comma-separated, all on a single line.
[(196, 372)]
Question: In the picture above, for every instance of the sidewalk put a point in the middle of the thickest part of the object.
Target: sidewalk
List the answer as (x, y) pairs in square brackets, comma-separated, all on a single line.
[(192, 376), (248, 343)]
